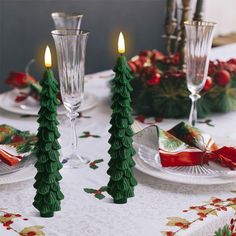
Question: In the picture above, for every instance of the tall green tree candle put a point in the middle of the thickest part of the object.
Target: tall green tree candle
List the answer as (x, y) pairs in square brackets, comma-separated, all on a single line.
[(48, 195), (122, 182)]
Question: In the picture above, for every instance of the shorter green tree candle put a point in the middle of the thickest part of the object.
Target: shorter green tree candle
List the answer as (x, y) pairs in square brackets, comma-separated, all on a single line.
[(48, 196), (122, 182)]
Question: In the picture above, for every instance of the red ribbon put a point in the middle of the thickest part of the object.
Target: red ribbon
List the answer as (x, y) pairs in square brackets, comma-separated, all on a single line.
[(225, 156), (8, 158)]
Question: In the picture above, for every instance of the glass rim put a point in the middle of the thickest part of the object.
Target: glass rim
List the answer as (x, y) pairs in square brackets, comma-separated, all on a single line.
[(66, 32), (199, 23), (64, 14)]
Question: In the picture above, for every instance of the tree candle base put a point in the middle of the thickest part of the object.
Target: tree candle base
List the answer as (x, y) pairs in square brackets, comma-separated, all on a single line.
[(120, 201), (49, 214)]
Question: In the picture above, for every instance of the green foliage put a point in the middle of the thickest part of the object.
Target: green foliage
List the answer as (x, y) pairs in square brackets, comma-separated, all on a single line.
[(122, 182), (48, 195), (225, 231), (170, 98)]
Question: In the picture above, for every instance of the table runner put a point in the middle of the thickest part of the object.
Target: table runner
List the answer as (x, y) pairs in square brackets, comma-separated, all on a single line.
[(87, 208)]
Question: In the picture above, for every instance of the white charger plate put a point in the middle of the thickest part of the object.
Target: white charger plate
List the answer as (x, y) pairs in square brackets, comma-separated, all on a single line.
[(31, 106), (148, 163)]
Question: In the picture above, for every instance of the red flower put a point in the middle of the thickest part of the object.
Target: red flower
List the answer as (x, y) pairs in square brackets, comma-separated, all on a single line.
[(222, 77), (19, 80), (154, 80)]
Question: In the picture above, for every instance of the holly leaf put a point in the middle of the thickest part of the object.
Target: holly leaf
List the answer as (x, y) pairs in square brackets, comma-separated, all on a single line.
[(99, 196), (90, 190), (98, 161), (94, 167)]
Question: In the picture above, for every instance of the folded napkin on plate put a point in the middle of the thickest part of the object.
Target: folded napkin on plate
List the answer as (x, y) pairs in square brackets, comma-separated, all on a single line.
[(22, 141), (184, 145)]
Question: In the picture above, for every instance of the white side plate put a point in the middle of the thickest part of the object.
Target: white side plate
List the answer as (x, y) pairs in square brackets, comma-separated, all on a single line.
[(31, 106)]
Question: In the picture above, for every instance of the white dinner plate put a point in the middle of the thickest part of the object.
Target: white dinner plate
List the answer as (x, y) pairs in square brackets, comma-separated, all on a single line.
[(31, 107), (18, 176), (221, 177)]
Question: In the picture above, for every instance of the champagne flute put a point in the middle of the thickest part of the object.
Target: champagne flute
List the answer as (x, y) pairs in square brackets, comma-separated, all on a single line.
[(63, 20), (199, 36), (71, 50)]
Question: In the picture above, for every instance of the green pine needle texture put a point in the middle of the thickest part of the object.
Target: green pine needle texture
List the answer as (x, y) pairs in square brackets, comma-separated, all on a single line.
[(122, 181), (48, 196)]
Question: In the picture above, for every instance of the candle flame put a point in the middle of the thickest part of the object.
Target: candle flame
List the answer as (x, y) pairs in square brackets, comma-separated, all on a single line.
[(47, 57), (121, 43)]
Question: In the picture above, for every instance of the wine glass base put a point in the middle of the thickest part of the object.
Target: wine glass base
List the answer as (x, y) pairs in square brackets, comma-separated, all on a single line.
[(74, 161)]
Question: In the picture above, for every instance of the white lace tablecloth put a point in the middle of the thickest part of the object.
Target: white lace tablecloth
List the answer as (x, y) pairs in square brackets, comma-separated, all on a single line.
[(155, 200)]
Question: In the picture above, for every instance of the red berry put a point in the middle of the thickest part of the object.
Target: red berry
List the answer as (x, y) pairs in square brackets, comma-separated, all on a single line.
[(208, 85), (155, 79), (222, 77)]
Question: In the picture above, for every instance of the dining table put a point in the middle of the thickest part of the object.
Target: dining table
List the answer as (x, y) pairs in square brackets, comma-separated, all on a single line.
[(159, 207)]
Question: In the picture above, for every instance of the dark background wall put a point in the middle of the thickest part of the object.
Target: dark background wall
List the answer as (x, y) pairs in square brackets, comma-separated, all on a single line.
[(25, 27)]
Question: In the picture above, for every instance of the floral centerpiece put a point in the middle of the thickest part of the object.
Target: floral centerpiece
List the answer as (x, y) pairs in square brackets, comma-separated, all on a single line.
[(160, 88)]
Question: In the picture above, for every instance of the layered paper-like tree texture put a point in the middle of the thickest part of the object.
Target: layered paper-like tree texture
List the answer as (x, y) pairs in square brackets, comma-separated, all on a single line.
[(48, 196), (122, 182)]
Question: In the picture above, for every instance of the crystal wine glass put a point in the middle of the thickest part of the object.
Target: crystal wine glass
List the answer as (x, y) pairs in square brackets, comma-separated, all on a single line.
[(71, 49), (199, 35), (63, 20)]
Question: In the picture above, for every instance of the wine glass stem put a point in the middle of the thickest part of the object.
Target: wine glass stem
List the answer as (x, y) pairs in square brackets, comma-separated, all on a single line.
[(74, 130), (193, 112)]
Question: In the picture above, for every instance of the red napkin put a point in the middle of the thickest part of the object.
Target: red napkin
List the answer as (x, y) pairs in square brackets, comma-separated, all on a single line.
[(8, 158), (185, 145)]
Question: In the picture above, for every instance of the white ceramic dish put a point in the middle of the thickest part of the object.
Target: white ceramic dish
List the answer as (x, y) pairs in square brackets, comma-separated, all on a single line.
[(31, 106)]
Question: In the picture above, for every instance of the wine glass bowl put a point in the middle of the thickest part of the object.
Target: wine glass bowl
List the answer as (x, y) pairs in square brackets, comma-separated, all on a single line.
[(199, 36), (63, 20), (71, 49)]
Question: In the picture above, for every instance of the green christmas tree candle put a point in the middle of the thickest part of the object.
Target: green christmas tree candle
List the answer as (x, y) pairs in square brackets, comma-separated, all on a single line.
[(48, 195), (122, 182)]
